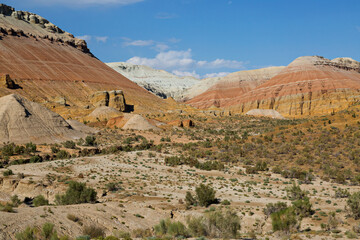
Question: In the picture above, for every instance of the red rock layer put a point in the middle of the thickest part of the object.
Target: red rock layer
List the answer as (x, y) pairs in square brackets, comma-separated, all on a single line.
[(46, 69), (233, 86)]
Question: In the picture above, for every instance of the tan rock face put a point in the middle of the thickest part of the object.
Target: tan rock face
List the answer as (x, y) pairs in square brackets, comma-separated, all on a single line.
[(308, 86), (117, 100), (232, 86), (7, 82), (48, 62), (23, 121)]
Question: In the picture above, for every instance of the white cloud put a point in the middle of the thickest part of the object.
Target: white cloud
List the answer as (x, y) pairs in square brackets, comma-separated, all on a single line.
[(185, 74), (102, 39), (138, 43), (167, 60), (161, 47), (219, 74), (88, 2), (85, 37), (181, 63)]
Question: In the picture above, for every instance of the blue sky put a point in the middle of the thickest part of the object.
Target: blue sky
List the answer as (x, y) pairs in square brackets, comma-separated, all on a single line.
[(207, 37)]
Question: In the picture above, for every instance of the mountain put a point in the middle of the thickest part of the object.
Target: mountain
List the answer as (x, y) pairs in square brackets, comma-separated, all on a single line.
[(51, 66), (159, 82), (221, 90), (310, 85)]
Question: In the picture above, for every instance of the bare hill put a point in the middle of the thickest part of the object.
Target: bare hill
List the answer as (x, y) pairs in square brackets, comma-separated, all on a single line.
[(23, 121)]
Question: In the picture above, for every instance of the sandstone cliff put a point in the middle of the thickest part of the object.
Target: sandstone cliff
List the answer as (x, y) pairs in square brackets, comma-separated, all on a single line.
[(50, 64)]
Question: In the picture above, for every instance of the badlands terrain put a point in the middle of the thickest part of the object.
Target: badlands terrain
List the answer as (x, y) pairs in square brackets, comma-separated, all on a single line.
[(89, 152)]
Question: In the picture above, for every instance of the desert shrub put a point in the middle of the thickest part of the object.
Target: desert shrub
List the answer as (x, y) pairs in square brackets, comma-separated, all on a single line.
[(76, 193), (173, 229), (48, 231), (189, 199), (210, 165), (36, 159), (40, 201), (30, 147), (274, 207), (142, 233), (55, 149), (8, 149), (285, 220), (62, 154), (112, 187), (90, 141), (8, 172), (122, 235), (341, 193), (7, 208), (205, 195), (295, 193), (111, 238), (83, 238), (27, 234), (69, 144), (250, 170), (15, 201), (261, 166), (93, 231), (215, 224), (353, 203), (73, 218), (225, 202), (303, 207), (19, 150)]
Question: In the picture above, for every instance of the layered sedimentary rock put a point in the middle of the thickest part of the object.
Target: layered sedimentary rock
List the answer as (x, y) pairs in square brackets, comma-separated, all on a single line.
[(23, 121), (49, 63), (159, 82), (310, 85), (271, 113), (232, 86), (114, 99)]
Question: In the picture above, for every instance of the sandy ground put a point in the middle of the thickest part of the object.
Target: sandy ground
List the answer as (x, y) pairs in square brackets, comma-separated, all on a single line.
[(149, 191)]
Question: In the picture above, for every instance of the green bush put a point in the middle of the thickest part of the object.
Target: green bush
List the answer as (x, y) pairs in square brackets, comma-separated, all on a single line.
[(69, 144), (93, 231), (76, 193), (189, 199), (62, 154), (90, 140), (215, 224), (353, 203), (8, 149), (15, 201), (285, 220), (40, 201), (295, 193), (48, 231), (27, 234), (302, 208), (30, 147), (205, 195), (173, 229), (8, 172), (274, 207)]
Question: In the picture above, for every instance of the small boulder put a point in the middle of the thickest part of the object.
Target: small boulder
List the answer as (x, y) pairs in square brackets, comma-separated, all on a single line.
[(7, 82)]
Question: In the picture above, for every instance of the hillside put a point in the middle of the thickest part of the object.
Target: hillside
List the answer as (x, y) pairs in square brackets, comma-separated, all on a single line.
[(49, 64), (232, 86), (159, 82)]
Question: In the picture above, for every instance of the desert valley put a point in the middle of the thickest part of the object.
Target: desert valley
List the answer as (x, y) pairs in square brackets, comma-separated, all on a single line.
[(117, 150)]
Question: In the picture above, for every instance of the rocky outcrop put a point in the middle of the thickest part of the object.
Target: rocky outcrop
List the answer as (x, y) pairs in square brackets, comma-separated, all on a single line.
[(103, 113), (7, 82), (33, 25), (182, 123), (23, 121), (159, 82), (114, 99), (271, 113), (138, 122)]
